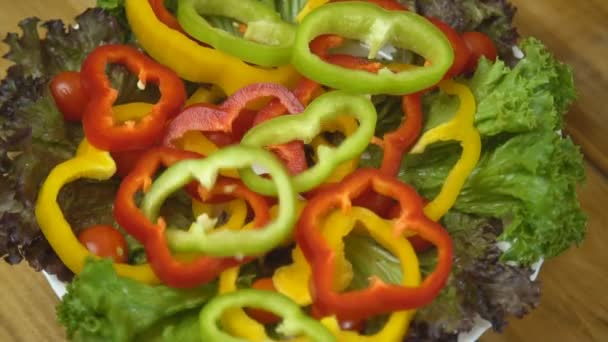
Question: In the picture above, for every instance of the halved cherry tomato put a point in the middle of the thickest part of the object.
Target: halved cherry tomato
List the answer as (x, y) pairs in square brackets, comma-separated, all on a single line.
[(263, 317), (479, 45), (461, 52), (68, 94), (106, 242)]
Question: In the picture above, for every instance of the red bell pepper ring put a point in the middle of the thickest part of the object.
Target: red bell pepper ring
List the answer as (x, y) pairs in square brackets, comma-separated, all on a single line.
[(161, 12), (379, 297), (461, 52), (204, 118), (170, 270), (100, 127), (398, 142)]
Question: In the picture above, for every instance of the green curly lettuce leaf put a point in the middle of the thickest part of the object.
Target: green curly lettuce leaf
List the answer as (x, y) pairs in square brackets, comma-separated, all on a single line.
[(527, 173), (101, 306), (34, 138)]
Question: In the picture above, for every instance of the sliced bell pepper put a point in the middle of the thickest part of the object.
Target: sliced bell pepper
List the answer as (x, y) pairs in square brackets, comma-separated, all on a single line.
[(307, 125), (161, 12), (234, 320), (379, 297), (396, 144), (391, 5), (236, 189), (346, 125), (402, 29), (205, 171), (99, 124), (335, 228), (91, 163), (461, 128), (221, 119), (194, 62), (235, 209), (267, 40), (294, 323), (309, 7), (169, 269)]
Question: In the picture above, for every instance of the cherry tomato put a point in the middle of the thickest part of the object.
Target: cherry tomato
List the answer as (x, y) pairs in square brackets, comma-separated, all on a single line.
[(68, 94), (106, 242), (263, 317), (461, 52), (479, 45)]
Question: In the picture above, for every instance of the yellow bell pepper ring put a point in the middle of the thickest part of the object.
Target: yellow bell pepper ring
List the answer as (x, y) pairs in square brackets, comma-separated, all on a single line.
[(195, 62), (91, 163), (461, 128)]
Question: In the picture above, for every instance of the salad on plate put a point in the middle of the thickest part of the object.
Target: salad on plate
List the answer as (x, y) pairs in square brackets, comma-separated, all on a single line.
[(255, 170)]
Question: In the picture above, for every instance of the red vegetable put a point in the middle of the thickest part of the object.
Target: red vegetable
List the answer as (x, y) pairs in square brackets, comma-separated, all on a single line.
[(398, 142), (263, 317), (379, 297), (222, 119), (106, 242), (169, 269), (479, 45), (161, 12), (391, 5), (68, 94), (461, 52), (100, 127)]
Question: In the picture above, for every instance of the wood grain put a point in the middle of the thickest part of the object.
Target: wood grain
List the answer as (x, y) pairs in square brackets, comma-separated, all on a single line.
[(578, 34), (574, 305)]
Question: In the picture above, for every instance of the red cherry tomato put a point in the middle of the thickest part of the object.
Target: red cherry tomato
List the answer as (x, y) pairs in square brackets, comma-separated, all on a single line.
[(68, 94), (479, 45), (461, 52), (263, 317), (106, 242)]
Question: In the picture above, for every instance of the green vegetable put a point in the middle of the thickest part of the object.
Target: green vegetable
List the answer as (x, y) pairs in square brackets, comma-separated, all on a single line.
[(101, 306), (267, 41), (401, 29), (305, 126), (34, 138), (205, 171), (527, 173), (294, 321)]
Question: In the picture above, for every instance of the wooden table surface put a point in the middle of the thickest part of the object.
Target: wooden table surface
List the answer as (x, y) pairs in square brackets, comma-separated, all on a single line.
[(574, 305)]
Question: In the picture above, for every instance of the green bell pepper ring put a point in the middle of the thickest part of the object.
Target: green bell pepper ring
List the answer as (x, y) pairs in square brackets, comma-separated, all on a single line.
[(306, 126), (223, 243), (268, 40), (294, 322), (374, 27)]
